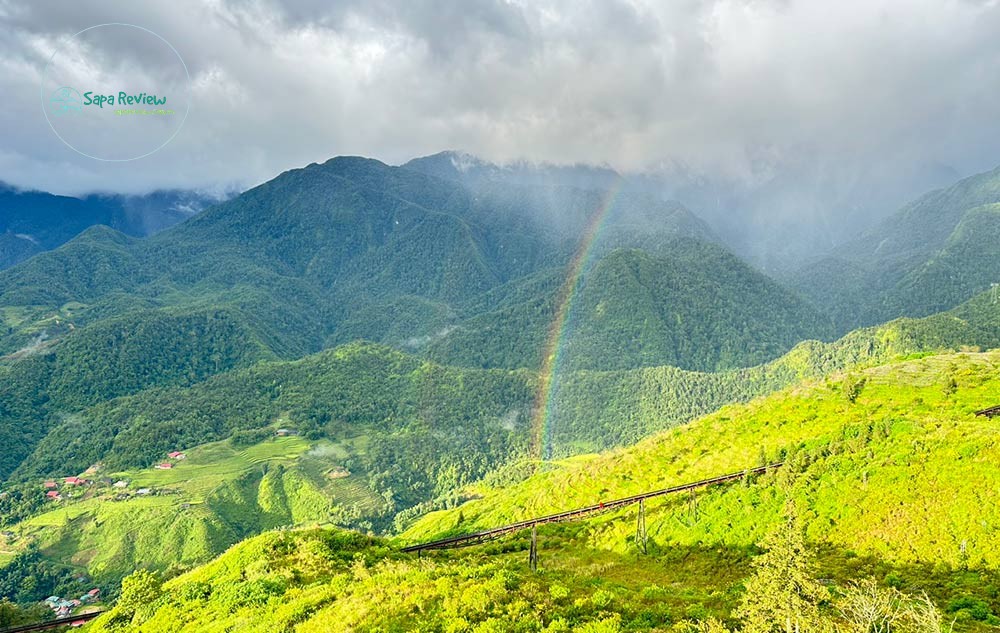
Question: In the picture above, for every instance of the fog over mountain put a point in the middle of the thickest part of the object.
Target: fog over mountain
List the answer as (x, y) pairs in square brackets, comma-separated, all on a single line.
[(789, 124)]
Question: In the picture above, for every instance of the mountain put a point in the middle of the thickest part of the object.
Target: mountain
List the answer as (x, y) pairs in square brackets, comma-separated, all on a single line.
[(931, 255), (684, 303), (475, 172), (294, 256), (300, 263), (355, 249), (32, 222)]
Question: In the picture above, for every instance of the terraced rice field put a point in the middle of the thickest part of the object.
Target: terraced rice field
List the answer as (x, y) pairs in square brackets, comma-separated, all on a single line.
[(208, 466)]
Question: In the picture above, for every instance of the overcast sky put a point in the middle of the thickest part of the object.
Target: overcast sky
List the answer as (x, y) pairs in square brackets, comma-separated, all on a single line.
[(739, 88)]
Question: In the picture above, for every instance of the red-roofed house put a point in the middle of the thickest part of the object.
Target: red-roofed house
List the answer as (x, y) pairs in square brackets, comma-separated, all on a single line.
[(164, 466), (50, 484), (52, 494), (74, 481), (176, 455)]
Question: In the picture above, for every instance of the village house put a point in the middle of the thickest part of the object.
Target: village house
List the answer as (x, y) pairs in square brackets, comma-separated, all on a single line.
[(74, 481), (178, 455), (164, 466), (53, 494), (62, 608), (50, 484), (91, 595), (286, 432), (143, 491), (121, 483)]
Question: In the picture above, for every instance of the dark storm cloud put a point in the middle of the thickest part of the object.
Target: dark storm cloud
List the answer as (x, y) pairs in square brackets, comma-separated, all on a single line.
[(749, 91)]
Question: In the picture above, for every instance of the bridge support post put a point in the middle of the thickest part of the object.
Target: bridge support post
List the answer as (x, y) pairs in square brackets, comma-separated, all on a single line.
[(533, 553), (640, 526)]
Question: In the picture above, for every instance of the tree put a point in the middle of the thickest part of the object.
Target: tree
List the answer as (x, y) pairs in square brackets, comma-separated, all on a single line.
[(923, 617), (782, 595), (853, 386), (12, 614), (868, 608), (139, 591)]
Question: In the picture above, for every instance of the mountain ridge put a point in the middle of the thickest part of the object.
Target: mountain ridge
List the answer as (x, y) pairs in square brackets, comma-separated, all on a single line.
[(33, 222), (942, 246)]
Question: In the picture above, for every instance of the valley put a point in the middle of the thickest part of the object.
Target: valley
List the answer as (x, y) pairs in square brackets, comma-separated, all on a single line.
[(373, 383)]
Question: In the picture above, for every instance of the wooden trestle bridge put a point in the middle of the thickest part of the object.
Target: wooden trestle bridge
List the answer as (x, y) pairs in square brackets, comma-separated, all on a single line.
[(476, 538), (72, 620)]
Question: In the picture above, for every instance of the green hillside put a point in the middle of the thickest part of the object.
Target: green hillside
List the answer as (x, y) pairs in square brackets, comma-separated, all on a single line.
[(325, 580), (111, 358), (700, 308), (173, 519), (595, 410), (927, 257), (899, 440), (427, 424)]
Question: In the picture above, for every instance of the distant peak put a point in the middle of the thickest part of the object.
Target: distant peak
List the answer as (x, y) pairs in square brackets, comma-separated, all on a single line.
[(344, 161)]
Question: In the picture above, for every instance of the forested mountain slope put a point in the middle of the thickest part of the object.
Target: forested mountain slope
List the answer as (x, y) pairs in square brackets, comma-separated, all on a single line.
[(928, 257), (333, 242), (687, 303), (355, 249)]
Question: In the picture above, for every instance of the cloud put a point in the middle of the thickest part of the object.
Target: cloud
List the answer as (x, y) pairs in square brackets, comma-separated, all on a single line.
[(746, 89)]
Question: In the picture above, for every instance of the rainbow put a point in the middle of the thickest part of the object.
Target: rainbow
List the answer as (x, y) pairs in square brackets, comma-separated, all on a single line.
[(542, 413)]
